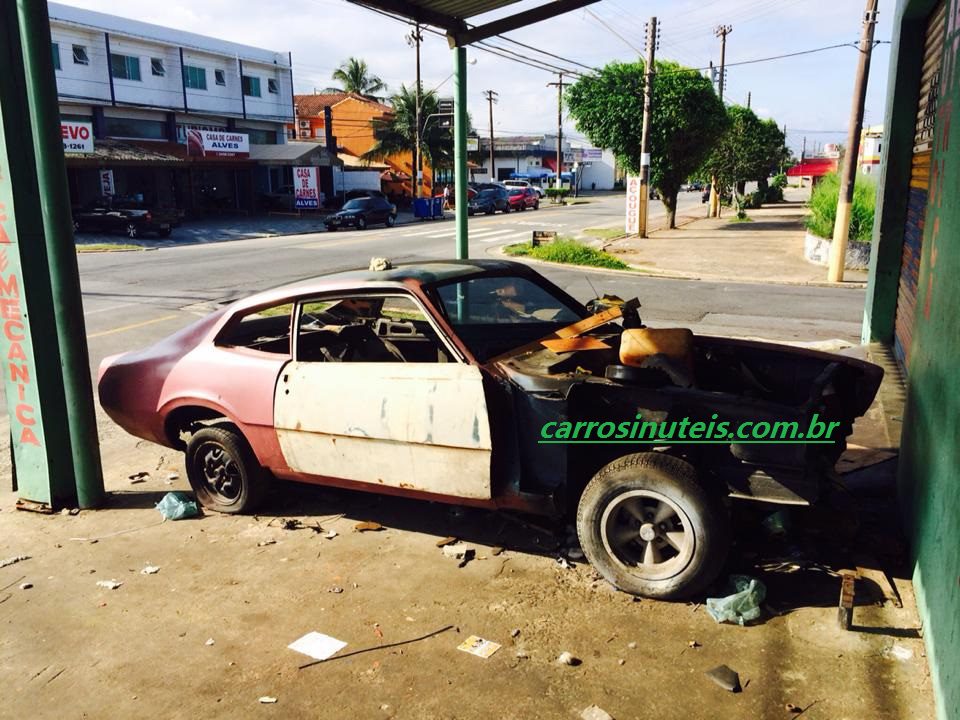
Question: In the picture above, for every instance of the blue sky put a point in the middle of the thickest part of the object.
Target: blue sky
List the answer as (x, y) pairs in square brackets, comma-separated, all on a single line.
[(810, 94)]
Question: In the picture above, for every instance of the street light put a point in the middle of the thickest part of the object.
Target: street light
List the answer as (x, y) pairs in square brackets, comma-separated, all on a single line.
[(421, 129)]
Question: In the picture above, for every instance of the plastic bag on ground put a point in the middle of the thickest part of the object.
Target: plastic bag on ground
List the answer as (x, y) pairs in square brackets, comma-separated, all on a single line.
[(177, 506), (742, 604)]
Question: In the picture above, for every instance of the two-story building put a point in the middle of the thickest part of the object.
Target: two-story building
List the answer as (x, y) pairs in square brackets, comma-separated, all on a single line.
[(172, 117)]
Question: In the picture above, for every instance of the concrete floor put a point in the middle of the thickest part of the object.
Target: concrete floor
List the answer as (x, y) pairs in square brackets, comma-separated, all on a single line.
[(71, 648)]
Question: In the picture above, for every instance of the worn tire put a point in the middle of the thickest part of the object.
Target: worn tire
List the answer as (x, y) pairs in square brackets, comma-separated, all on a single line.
[(219, 454), (642, 481)]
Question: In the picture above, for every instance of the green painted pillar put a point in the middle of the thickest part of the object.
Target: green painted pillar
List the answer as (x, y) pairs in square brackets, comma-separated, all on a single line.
[(44, 362), (460, 148)]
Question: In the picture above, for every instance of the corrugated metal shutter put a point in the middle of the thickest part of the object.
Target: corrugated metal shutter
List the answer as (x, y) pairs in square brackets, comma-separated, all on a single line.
[(919, 184)]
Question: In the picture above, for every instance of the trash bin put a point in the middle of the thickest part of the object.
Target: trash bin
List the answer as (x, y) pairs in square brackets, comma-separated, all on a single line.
[(421, 208), (436, 206)]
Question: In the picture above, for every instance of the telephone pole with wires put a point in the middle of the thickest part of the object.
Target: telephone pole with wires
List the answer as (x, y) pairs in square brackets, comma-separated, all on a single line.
[(414, 39), (559, 86), (491, 96), (841, 227), (721, 32), (652, 41)]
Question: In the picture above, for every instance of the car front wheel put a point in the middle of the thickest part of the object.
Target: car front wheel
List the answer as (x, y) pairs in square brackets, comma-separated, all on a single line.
[(223, 471), (361, 223), (648, 526), (132, 231), (391, 220)]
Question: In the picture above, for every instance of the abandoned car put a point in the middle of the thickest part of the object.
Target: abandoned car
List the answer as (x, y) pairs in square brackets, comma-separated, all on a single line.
[(450, 381)]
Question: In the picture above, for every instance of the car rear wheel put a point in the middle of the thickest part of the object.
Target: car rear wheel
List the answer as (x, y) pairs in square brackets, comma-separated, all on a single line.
[(223, 471), (536, 205), (76, 226), (649, 527), (506, 208), (391, 220), (132, 231), (165, 233), (361, 223)]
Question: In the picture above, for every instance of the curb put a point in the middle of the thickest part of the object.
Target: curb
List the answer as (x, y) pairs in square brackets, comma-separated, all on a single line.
[(636, 272)]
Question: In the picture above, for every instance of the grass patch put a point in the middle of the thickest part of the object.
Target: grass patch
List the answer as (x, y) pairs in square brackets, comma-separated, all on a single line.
[(569, 252), (744, 219), (604, 233), (107, 247)]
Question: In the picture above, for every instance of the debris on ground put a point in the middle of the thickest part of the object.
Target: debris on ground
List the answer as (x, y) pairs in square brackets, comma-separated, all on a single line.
[(632, 645), (476, 645), (460, 552), (139, 477), (693, 644), (368, 526), (177, 506), (73, 511), (621, 661), (331, 535), (725, 677), (150, 570), (267, 700), (566, 658), (210, 642), (173, 476), (496, 550), (899, 652), (741, 604), (778, 524), (576, 554), (791, 708), (515, 632), (109, 584), (13, 560), (317, 645), (26, 586), (449, 540), (562, 562), (264, 543), (595, 713), (336, 589)]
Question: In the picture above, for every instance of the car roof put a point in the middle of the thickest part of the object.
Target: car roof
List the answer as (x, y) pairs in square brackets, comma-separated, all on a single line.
[(400, 276)]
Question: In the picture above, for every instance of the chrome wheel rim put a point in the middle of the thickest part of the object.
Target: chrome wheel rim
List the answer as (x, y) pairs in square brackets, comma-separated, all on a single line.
[(648, 534), (219, 471)]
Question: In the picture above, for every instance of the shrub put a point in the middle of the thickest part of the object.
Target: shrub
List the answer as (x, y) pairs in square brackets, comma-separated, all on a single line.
[(774, 194), (779, 181), (569, 252), (557, 194), (823, 208)]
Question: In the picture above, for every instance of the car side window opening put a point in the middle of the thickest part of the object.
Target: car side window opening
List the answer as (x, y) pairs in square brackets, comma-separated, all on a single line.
[(266, 330), (367, 328)]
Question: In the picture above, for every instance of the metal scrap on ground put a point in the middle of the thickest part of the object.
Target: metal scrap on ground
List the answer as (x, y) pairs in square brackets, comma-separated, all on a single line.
[(368, 526), (13, 560), (476, 645)]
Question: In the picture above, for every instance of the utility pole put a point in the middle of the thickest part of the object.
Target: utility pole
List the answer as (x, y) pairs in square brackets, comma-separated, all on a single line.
[(748, 99), (645, 133), (721, 32), (841, 228), (414, 39), (491, 99), (559, 86)]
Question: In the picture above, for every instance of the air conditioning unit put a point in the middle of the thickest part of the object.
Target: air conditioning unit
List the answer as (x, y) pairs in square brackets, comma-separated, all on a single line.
[(304, 133), (305, 124)]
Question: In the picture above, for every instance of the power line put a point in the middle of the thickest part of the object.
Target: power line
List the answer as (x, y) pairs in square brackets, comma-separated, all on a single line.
[(604, 23)]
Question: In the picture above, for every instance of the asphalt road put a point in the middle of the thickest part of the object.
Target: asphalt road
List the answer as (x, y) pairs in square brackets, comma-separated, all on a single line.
[(132, 299)]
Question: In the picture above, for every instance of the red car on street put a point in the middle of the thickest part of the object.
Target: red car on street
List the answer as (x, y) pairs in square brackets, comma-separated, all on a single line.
[(523, 199)]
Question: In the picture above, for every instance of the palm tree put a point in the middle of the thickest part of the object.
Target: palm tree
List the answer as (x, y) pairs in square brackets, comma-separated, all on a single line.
[(396, 132), (354, 77)]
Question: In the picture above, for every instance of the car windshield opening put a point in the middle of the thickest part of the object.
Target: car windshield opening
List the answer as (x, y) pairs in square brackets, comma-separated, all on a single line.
[(357, 204), (494, 314)]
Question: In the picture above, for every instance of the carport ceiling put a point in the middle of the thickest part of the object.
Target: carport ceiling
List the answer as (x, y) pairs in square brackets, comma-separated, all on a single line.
[(451, 15)]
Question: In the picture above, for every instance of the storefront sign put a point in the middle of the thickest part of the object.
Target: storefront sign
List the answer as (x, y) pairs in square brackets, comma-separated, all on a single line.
[(207, 143), (306, 188), (473, 144), (106, 183), (77, 136), (632, 225)]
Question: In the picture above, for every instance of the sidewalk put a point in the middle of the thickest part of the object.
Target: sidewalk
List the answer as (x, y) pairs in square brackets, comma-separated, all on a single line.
[(768, 249)]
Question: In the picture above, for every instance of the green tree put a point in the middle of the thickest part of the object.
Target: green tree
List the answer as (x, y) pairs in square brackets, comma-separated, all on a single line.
[(354, 77), (751, 149), (396, 132), (687, 117)]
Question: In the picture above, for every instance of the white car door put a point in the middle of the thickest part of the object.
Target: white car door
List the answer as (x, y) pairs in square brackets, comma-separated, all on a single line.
[(413, 425)]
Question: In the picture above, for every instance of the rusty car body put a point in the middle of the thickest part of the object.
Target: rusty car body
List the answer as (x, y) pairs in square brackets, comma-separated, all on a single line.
[(429, 381)]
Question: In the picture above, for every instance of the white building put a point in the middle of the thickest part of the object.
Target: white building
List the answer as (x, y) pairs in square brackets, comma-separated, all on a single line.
[(534, 158), (141, 89)]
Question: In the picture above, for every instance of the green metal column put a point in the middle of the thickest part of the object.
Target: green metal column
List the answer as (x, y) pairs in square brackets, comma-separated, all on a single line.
[(45, 363), (460, 148)]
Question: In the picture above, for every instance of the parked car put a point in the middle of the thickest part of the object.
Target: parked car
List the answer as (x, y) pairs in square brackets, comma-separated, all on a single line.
[(434, 381), (354, 194), (361, 212), (125, 215), (488, 200), (524, 184), (523, 198)]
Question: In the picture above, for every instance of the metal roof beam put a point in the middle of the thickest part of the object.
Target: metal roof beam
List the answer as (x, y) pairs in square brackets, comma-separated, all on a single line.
[(512, 22), (419, 14)]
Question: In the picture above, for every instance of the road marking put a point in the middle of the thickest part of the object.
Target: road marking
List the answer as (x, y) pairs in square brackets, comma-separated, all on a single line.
[(107, 309), (124, 328), (422, 232), (516, 236)]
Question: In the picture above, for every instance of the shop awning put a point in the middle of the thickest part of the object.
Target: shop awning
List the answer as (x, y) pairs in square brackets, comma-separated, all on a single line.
[(130, 152), (352, 162), (293, 153)]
